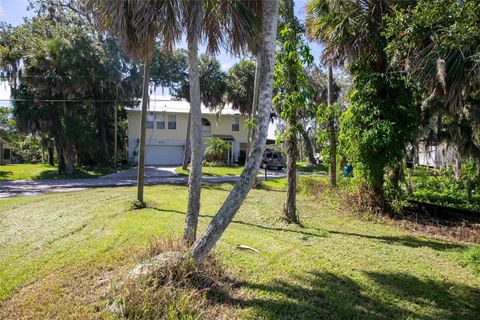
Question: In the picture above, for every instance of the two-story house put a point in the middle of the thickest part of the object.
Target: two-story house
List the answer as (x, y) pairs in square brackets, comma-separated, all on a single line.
[(167, 123), (5, 152)]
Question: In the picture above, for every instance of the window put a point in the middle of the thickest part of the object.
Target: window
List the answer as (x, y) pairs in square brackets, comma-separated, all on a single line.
[(235, 124), (172, 122), (150, 120), (6, 154), (160, 121)]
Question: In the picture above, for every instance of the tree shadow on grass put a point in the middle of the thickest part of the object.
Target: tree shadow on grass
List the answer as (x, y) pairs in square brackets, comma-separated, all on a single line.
[(219, 186), (4, 174), (319, 295), (408, 241)]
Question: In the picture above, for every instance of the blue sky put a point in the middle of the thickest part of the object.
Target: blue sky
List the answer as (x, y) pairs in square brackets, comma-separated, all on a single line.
[(13, 11)]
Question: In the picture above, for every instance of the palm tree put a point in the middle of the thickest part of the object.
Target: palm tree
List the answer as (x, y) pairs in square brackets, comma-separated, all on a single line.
[(350, 30), (226, 213), (193, 22), (332, 135), (232, 24), (136, 25)]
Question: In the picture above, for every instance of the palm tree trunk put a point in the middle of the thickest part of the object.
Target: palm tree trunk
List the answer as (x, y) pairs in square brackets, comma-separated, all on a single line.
[(69, 159), (308, 146), (103, 135), (256, 88), (196, 139), (332, 136), (187, 152), (143, 126), (115, 136), (61, 159), (226, 213), (50, 151)]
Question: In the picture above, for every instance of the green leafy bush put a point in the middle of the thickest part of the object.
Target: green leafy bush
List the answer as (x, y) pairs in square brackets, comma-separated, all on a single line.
[(379, 123), (216, 150)]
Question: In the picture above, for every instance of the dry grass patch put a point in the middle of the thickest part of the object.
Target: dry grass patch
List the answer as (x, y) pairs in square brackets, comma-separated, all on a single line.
[(176, 288), (78, 292)]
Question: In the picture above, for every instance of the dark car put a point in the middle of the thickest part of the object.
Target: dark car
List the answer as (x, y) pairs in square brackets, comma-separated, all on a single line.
[(272, 159)]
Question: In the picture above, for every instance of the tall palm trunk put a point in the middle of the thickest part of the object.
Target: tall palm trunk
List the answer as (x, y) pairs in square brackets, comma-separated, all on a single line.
[(102, 126), (308, 145), (187, 151), (290, 206), (256, 89), (61, 159), (237, 195), (69, 158), (332, 136), (143, 127), (50, 150), (196, 139)]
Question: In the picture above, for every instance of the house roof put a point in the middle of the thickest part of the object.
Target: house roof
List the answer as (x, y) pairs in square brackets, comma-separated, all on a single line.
[(224, 137), (5, 143), (183, 106)]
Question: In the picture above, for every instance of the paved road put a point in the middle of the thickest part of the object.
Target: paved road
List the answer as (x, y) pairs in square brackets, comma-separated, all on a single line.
[(153, 176)]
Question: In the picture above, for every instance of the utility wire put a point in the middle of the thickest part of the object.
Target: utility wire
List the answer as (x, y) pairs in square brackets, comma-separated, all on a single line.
[(79, 100)]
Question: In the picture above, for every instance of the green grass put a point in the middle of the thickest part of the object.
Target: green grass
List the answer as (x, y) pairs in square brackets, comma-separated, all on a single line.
[(306, 167), (60, 252), (44, 171), (213, 171)]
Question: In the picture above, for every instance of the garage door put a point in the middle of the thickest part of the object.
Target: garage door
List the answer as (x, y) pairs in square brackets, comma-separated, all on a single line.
[(155, 155)]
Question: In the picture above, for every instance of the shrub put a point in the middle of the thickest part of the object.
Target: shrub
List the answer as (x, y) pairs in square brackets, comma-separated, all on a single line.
[(216, 149)]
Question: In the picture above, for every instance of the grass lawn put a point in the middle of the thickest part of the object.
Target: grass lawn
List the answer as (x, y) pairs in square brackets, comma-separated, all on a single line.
[(213, 171), (61, 252), (306, 167), (44, 171)]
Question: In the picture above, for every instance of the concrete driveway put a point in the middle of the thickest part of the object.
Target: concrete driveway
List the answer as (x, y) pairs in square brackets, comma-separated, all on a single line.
[(150, 172)]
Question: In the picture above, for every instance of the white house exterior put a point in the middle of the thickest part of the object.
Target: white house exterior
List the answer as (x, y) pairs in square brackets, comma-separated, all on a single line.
[(5, 152), (166, 132), (436, 156)]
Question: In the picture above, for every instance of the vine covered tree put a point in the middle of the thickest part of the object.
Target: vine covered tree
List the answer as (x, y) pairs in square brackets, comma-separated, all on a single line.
[(292, 95)]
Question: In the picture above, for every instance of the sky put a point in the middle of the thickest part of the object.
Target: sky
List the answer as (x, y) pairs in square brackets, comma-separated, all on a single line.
[(13, 12)]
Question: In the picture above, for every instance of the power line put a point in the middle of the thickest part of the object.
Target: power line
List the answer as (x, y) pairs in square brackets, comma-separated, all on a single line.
[(80, 100), (57, 76)]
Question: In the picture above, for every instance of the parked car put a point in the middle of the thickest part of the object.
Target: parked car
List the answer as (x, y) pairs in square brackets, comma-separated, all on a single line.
[(272, 159)]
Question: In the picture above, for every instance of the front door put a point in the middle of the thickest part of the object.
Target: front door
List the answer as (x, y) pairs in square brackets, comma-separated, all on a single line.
[(206, 128)]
